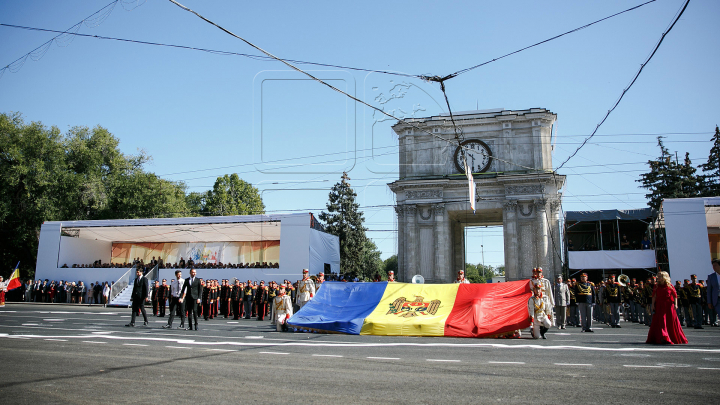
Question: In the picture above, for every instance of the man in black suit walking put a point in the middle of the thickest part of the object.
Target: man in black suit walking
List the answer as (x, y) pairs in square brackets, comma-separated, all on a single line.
[(191, 294), (139, 296)]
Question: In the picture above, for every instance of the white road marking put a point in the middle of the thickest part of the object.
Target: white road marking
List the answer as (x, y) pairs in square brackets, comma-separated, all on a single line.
[(384, 358), (272, 353), (573, 364), (506, 362), (638, 366), (134, 344), (58, 340), (233, 322), (254, 337), (708, 368), (451, 361), (222, 350), (92, 341), (54, 320), (30, 324), (178, 347), (327, 355)]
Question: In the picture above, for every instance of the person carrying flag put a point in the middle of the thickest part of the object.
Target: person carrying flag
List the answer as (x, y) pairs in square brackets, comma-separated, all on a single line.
[(11, 284)]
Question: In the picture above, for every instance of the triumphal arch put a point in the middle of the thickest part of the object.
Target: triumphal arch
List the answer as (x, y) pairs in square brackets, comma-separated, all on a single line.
[(510, 154)]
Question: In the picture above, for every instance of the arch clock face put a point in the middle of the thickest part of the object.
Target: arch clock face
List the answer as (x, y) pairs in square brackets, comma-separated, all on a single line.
[(478, 155)]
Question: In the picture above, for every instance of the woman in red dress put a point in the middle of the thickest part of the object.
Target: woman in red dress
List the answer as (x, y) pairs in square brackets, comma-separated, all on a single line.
[(665, 327)]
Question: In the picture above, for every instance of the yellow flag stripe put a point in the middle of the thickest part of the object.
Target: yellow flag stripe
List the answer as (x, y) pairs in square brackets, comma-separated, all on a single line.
[(412, 310)]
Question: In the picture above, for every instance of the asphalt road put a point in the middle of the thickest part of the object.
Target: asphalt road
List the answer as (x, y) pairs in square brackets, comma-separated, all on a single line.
[(80, 354)]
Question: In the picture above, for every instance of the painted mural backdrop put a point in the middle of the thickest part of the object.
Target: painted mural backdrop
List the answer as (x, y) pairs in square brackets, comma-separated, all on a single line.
[(211, 252)]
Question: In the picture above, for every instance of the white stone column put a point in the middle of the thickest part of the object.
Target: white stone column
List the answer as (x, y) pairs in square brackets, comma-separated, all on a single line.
[(411, 247), (400, 243), (441, 244), (543, 238), (556, 248), (510, 237)]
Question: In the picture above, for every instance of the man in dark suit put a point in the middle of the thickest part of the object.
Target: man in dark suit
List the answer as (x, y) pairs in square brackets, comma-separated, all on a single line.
[(713, 292), (138, 297), (191, 293)]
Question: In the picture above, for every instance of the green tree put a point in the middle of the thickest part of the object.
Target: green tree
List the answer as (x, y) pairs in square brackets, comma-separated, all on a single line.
[(233, 196), (372, 263), (479, 273), (670, 179), (711, 168), (391, 264), (48, 176), (344, 219)]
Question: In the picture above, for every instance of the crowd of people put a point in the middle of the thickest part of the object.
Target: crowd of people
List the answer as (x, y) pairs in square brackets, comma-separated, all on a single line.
[(625, 244), (67, 292), (194, 297), (182, 264)]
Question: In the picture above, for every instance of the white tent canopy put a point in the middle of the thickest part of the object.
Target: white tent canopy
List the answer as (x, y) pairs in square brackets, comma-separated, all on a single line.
[(240, 228)]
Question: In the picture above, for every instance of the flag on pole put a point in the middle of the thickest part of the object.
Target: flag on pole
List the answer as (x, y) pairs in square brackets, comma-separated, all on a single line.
[(471, 184), (14, 281)]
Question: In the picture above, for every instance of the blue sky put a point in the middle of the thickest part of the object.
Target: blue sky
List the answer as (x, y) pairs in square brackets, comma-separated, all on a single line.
[(201, 115)]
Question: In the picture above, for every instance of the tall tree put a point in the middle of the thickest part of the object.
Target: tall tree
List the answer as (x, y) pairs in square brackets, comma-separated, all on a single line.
[(669, 179), (711, 168), (48, 176), (344, 219), (233, 196), (391, 264), (372, 264)]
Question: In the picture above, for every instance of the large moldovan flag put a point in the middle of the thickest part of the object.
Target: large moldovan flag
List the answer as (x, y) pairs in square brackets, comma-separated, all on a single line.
[(14, 281)]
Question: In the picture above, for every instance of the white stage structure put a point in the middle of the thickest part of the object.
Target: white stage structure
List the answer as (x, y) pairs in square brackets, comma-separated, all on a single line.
[(688, 224), (83, 242)]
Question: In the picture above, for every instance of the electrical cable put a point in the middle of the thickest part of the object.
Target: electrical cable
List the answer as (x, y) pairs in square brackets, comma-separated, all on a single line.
[(93, 20), (642, 66)]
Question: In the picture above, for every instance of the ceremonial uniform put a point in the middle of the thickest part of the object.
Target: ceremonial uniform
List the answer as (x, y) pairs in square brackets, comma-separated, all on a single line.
[(260, 301), (282, 311), (648, 293), (540, 312), (248, 295), (272, 292), (206, 301), (613, 298), (695, 300), (154, 299), (640, 303), (682, 305), (236, 296), (574, 313), (163, 291), (224, 296), (306, 290), (584, 297)]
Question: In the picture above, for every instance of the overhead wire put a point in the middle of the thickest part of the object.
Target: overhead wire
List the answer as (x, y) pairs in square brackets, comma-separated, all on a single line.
[(91, 21), (642, 66)]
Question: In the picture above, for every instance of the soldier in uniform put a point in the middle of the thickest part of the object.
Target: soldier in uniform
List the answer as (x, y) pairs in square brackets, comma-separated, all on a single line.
[(584, 296), (224, 296), (261, 300), (695, 300), (282, 310), (154, 297), (306, 290), (461, 278), (685, 300), (547, 290), (613, 299), (272, 292), (290, 291), (648, 293), (391, 277), (248, 295), (319, 281), (205, 299), (163, 294), (540, 313), (680, 291), (703, 299), (236, 295), (573, 318)]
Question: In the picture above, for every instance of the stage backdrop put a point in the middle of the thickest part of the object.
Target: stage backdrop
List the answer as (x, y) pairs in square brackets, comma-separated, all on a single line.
[(211, 252), (400, 309)]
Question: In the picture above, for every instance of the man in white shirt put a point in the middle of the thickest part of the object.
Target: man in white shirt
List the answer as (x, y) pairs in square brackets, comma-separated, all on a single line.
[(175, 304)]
